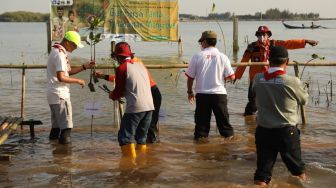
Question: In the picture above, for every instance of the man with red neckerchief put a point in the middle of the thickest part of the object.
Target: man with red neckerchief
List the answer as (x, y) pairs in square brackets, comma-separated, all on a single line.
[(278, 96), (132, 82), (258, 51), (58, 93)]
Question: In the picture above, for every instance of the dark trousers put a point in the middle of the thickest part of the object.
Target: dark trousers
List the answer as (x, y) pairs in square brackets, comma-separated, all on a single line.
[(152, 135), (269, 143), (205, 104), (251, 106), (134, 124)]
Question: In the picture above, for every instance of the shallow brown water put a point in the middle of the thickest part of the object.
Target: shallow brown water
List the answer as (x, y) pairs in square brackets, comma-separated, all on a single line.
[(175, 162)]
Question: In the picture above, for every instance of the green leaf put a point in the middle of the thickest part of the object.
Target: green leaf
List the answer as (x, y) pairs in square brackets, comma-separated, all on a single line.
[(91, 36), (98, 35)]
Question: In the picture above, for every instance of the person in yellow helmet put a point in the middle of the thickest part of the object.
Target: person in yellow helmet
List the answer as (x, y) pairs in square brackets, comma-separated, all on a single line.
[(58, 92)]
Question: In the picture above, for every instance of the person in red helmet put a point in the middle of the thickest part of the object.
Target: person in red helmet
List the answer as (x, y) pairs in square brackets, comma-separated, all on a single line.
[(153, 131), (132, 82), (258, 51)]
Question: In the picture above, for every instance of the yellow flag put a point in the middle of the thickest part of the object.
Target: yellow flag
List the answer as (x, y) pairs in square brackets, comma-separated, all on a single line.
[(213, 7)]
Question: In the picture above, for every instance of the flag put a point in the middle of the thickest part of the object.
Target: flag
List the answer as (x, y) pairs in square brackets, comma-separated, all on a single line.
[(213, 7)]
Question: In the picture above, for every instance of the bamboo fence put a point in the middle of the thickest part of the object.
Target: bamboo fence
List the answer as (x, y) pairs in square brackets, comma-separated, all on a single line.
[(170, 66), (12, 123)]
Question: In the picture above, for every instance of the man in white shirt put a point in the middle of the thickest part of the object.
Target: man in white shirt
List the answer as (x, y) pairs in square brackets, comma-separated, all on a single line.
[(210, 68), (58, 93)]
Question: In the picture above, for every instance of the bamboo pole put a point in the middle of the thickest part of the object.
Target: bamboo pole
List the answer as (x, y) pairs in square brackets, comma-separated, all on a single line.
[(167, 66), (235, 44), (48, 37), (23, 93), (116, 112), (12, 127), (235, 35), (117, 107), (180, 47), (303, 113), (331, 88)]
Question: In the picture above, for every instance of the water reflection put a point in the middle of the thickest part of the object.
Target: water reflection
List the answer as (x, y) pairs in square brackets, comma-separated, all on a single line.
[(61, 155)]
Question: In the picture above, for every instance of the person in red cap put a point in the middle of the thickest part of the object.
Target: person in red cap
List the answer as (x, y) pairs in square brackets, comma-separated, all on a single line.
[(153, 131), (132, 82), (258, 51)]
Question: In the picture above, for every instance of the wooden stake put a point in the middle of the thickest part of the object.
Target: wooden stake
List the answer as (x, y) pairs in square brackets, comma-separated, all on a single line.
[(48, 37), (303, 114), (180, 46), (23, 93), (235, 35)]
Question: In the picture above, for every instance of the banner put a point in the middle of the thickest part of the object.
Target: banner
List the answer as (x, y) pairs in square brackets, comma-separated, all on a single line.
[(123, 20)]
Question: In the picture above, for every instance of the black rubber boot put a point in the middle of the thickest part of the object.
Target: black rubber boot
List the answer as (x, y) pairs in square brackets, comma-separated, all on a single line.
[(65, 137), (54, 133), (152, 136)]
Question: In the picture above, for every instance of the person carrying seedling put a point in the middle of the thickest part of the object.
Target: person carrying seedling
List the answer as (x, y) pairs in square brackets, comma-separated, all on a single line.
[(153, 131), (58, 92), (132, 82)]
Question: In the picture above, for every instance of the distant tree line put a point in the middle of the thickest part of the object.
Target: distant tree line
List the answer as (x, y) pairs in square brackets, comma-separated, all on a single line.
[(270, 14), (24, 16)]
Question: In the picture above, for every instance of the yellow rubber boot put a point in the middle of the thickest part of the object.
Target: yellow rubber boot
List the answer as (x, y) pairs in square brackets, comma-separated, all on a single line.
[(141, 159), (128, 151), (127, 161), (141, 148)]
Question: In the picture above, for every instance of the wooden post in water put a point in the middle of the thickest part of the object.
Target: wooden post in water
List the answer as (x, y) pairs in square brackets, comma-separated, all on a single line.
[(115, 103), (331, 88), (180, 47), (112, 46), (23, 93), (235, 35), (48, 37), (303, 114)]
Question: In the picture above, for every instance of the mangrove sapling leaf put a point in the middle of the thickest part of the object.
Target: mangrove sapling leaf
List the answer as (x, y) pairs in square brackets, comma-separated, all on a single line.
[(94, 39), (313, 57)]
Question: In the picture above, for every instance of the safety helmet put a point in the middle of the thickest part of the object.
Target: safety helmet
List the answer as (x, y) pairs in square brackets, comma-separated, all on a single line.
[(74, 37), (122, 49), (263, 29)]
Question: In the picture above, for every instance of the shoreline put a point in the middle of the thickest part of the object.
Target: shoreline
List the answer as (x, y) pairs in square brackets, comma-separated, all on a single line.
[(248, 20)]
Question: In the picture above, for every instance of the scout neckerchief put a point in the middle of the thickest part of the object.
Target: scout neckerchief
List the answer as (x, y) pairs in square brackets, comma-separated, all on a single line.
[(61, 49), (269, 76)]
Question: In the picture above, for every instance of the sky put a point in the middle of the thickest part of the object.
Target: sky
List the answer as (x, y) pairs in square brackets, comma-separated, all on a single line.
[(326, 8)]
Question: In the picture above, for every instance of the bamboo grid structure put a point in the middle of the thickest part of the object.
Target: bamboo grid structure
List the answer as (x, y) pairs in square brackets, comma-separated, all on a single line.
[(9, 124)]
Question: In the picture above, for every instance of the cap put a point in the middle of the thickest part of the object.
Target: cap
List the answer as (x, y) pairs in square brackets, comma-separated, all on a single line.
[(208, 35), (123, 49), (74, 37), (263, 29), (278, 52)]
